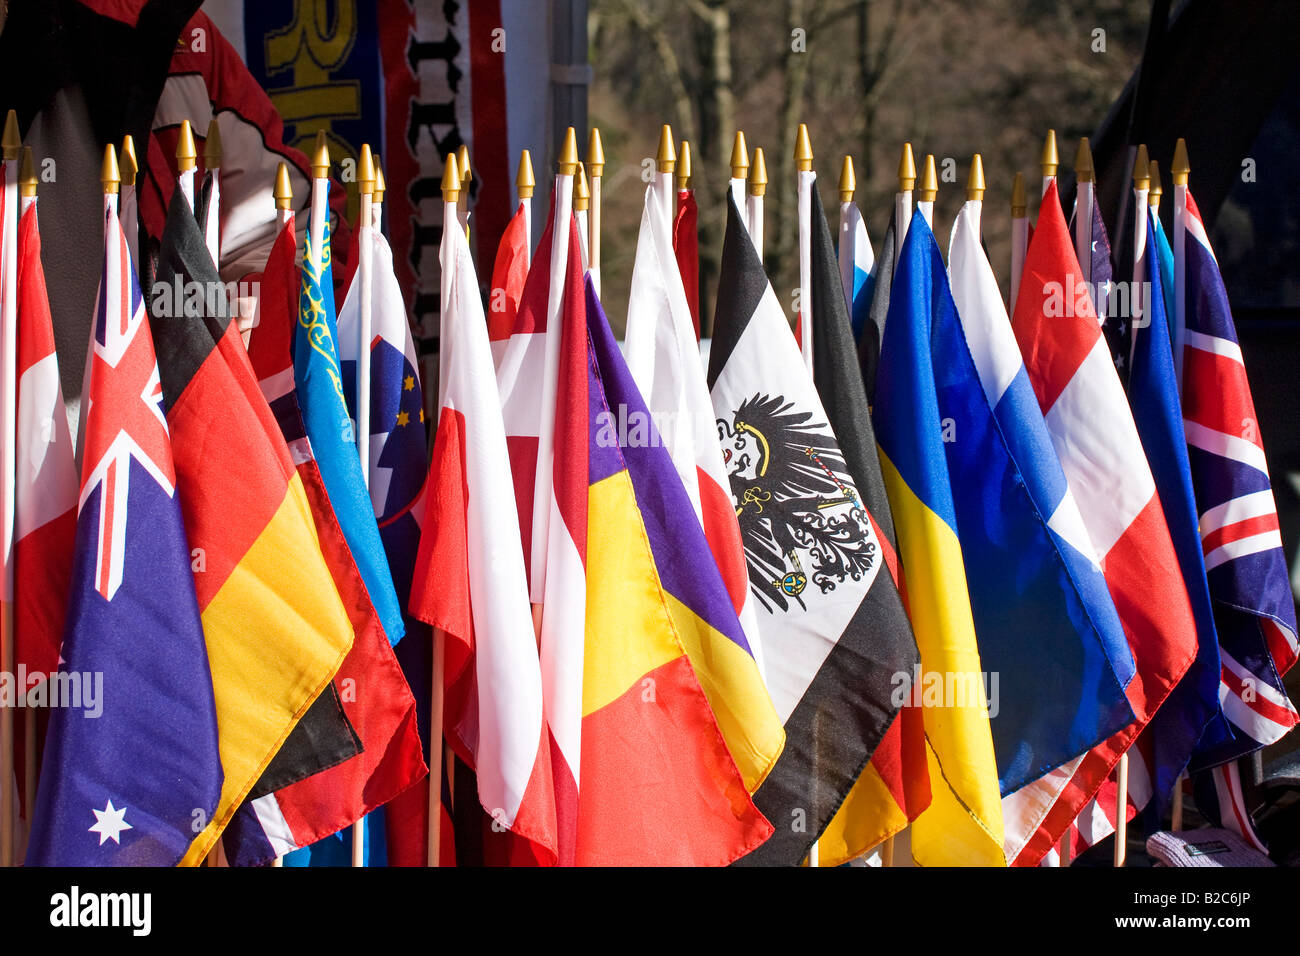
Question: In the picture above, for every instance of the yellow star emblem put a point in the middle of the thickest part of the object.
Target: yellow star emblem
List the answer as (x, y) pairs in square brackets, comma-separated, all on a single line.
[(403, 418), (408, 383)]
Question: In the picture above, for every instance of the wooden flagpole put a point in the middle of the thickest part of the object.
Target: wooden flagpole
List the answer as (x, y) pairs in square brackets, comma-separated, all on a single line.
[(1019, 238), (754, 204), (365, 280), (596, 169), (903, 199), (807, 179), (1180, 170), (928, 192), (524, 186), (12, 147)]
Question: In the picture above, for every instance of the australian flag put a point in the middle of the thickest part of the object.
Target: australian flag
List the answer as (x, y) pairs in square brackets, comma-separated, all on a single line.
[(133, 774)]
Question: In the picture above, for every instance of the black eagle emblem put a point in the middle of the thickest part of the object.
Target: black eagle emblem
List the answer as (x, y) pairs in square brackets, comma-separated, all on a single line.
[(800, 517)]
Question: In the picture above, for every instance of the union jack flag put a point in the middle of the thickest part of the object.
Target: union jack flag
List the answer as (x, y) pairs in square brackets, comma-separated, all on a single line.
[(1244, 561), (125, 418)]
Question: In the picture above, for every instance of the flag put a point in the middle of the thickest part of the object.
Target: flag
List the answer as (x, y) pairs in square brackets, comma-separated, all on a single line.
[(963, 824), (1192, 712), (896, 780), (1165, 257), (832, 628), (46, 491), (129, 781), (509, 271), (659, 785), (872, 332), (332, 430), (686, 247), (1254, 611), (664, 358), (1044, 617), (469, 579), (1094, 436), (857, 265), (1100, 271), (270, 569)]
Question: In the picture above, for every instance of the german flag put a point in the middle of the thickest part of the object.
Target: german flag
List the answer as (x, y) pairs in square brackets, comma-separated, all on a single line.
[(275, 627)]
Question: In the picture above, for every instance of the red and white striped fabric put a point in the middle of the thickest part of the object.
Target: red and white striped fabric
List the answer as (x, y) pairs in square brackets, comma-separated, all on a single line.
[(663, 355), (469, 576), (46, 489), (1093, 432)]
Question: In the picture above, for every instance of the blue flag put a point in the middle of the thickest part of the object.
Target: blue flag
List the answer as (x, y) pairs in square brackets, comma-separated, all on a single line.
[(132, 769), (1192, 708), (1044, 618), (319, 376)]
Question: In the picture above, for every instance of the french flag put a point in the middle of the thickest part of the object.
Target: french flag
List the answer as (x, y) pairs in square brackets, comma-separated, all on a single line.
[(1096, 439)]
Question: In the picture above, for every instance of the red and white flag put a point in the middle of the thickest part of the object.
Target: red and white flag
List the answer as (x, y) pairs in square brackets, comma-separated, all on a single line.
[(1096, 439), (663, 354), (46, 489), (469, 577)]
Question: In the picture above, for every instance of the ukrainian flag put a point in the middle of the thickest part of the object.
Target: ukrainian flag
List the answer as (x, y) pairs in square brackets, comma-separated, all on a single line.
[(963, 824)]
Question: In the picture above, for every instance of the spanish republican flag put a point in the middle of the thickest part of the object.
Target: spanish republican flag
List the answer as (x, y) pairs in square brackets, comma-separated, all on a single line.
[(275, 627), (963, 824), (469, 579), (658, 785)]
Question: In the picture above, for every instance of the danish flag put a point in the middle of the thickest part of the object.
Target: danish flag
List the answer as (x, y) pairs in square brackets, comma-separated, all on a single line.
[(125, 419)]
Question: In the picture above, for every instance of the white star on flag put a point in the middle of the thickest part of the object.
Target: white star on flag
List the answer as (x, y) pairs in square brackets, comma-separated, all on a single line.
[(109, 823)]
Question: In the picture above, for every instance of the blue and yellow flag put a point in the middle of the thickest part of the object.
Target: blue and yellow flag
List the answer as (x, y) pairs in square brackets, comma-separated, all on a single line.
[(963, 824)]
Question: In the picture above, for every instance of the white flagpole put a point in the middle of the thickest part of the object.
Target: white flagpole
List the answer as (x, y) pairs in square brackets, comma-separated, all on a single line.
[(665, 166), (1180, 170), (739, 175), (754, 203), (212, 160), (186, 161), (581, 209), (524, 186), (807, 179), (542, 487), (903, 199), (847, 250), (596, 169), (925, 196), (1019, 238), (466, 175), (12, 146), (1051, 160), (129, 204)]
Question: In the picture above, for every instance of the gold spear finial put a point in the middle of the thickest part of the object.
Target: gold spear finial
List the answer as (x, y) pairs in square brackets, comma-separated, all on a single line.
[(929, 180), (212, 146), (1156, 191), (524, 181), (758, 174), (109, 175), (1142, 169), (12, 141), (365, 171), (320, 163), (581, 191), (186, 155), (906, 169), (1051, 160), (283, 189), (666, 157), (568, 162), (739, 157), (450, 180), (1019, 204), (684, 166), (975, 184), (848, 180), (128, 163), (27, 174), (595, 154), (1084, 172), (803, 154), (462, 164), (1180, 169), (381, 185)]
